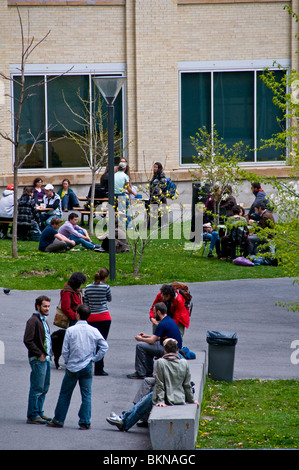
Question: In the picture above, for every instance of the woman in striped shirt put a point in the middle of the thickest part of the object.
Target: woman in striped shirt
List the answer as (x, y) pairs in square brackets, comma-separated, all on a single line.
[(96, 296)]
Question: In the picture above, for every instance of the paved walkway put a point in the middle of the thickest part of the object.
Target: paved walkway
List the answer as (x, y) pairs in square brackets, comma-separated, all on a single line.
[(265, 333)]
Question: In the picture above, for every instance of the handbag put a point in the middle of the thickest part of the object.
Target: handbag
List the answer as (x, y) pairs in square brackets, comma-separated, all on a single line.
[(60, 319)]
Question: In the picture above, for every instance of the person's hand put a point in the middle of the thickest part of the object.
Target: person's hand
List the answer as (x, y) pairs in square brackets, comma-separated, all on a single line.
[(42, 358), (154, 321), (161, 404), (139, 337), (73, 242), (196, 403)]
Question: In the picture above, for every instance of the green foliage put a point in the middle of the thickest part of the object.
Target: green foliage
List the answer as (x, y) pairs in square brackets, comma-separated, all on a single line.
[(217, 164), (166, 261)]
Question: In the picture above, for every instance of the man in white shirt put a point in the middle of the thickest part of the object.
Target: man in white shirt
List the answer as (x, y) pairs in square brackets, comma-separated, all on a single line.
[(83, 344)]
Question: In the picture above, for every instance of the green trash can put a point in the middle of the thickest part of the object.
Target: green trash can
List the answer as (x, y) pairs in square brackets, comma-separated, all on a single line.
[(221, 355)]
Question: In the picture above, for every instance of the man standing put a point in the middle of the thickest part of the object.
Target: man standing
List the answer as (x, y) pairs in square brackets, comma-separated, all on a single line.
[(79, 348), (73, 231), (121, 188), (150, 346), (37, 340)]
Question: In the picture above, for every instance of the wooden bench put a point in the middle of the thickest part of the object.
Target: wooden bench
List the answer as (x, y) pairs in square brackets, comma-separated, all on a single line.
[(176, 427), (85, 212)]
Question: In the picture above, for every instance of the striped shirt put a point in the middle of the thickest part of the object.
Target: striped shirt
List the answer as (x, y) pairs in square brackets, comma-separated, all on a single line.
[(96, 297)]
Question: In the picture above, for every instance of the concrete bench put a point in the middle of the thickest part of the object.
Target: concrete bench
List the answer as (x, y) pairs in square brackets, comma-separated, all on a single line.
[(176, 427)]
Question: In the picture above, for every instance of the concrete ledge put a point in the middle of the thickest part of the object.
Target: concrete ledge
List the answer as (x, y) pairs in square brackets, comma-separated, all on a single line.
[(176, 427)]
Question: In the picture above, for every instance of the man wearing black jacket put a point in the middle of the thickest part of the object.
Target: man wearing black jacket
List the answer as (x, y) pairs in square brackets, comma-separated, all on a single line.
[(37, 340)]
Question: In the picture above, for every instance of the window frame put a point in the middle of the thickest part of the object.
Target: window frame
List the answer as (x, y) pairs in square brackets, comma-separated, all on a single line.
[(46, 70), (230, 66)]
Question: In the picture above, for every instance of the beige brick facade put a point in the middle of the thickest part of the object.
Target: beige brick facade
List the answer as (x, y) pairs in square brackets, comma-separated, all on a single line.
[(151, 38)]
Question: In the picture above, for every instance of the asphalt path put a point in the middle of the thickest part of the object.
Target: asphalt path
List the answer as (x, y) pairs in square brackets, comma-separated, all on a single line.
[(265, 334)]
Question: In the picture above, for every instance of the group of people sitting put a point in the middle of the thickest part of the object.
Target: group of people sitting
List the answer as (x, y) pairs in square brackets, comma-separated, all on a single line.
[(244, 230), (36, 207)]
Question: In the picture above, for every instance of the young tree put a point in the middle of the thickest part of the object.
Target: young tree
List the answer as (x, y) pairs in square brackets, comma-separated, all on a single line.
[(217, 165), (28, 46), (92, 139)]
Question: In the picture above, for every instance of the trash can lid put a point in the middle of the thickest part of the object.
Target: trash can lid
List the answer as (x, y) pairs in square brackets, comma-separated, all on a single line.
[(222, 337)]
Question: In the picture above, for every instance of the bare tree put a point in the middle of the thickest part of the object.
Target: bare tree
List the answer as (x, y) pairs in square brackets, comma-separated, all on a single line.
[(92, 140), (28, 45)]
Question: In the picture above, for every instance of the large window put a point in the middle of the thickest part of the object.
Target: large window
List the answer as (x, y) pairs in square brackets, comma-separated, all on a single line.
[(237, 103), (53, 103)]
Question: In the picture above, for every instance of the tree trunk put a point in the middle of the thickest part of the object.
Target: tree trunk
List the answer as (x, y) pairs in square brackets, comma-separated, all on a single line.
[(93, 184), (15, 213)]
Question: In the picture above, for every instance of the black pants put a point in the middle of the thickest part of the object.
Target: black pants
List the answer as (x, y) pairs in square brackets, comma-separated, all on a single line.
[(103, 327)]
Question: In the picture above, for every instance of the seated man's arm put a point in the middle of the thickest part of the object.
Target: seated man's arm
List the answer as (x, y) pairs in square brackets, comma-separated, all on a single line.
[(150, 339)]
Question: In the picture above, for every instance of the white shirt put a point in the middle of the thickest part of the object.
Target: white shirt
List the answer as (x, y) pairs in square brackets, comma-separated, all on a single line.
[(120, 181), (79, 346)]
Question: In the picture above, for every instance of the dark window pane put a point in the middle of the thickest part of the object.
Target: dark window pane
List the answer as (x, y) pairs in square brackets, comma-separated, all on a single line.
[(267, 124), (234, 107), (73, 90), (195, 109), (32, 120), (99, 101)]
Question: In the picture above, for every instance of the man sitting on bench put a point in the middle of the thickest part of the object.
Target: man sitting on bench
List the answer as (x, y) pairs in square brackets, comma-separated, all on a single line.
[(150, 346), (172, 387)]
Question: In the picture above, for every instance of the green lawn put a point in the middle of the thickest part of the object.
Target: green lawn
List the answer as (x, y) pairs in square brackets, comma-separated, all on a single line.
[(249, 414), (163, 261)]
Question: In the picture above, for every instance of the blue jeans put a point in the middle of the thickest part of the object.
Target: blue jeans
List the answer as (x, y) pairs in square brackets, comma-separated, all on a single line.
[(83, 242), (215, 240), (84, 376), (133, 415), (39, 386), (69, 200), (124, 206)]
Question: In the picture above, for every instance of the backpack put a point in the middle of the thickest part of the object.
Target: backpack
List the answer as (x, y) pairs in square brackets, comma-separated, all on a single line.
[(183, 289), (170, 188)]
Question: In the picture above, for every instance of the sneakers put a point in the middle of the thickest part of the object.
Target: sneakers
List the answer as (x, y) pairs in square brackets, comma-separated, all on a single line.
[(135, 375), (98, 248), (115, 421), (37, 420)]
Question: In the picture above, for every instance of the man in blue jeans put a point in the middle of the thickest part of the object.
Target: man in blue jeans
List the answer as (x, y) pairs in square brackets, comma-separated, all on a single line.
[(37, 340), (172, 387), (83, 344), (73, 231)]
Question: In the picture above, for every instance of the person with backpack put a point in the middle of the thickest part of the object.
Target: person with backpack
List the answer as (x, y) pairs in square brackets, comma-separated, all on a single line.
[(176, 307)]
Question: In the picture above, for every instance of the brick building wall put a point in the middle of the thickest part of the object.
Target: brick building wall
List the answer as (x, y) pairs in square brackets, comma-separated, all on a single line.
[(150, 38)]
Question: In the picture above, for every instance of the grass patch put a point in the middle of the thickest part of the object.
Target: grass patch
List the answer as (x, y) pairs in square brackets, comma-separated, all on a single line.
[(249, 414), (165, 260)]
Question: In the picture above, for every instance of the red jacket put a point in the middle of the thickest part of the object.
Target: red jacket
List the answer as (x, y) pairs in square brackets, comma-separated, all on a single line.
[(180, 312), (70, 299)]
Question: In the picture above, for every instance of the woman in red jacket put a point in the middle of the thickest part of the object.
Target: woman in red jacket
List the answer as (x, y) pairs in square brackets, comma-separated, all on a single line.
[(176, 308), (71, 295)]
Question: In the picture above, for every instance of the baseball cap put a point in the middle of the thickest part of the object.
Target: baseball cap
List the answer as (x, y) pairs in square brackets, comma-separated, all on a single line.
[(10, 187), (49, 186)]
